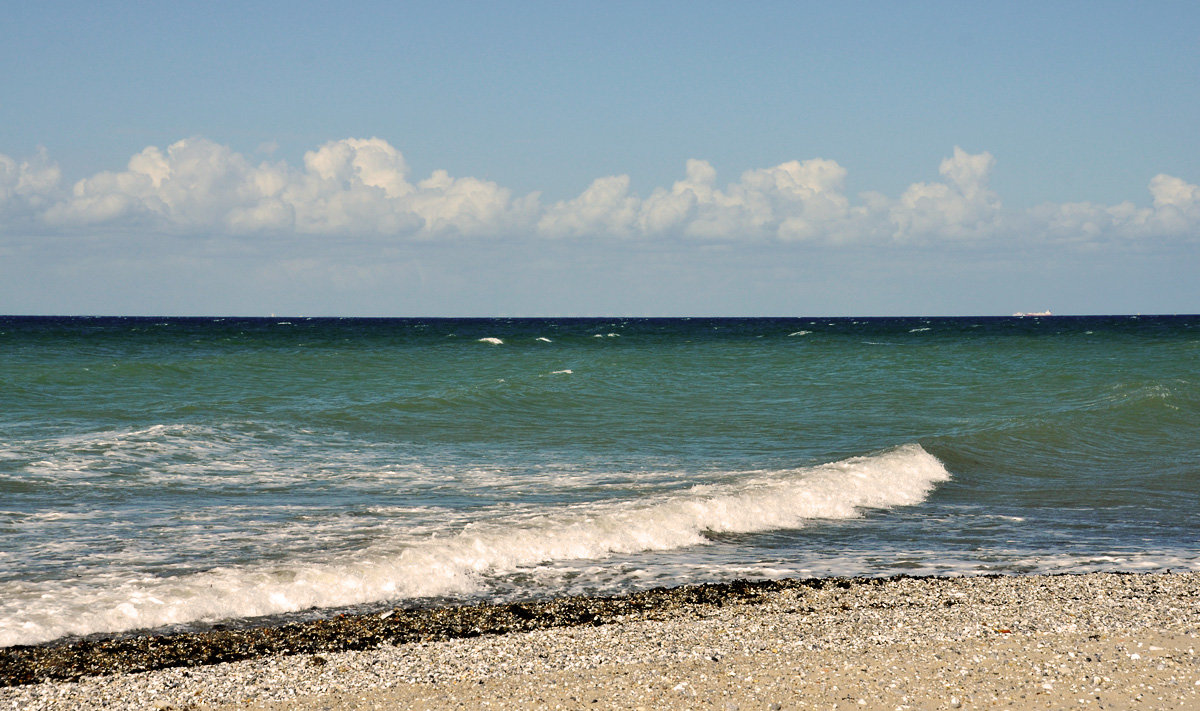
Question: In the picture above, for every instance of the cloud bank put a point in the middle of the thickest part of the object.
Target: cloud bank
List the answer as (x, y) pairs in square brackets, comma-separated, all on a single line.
[(363, 187)]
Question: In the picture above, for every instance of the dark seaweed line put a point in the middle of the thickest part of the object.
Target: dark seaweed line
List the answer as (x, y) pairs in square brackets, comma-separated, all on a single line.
[(70, 661)]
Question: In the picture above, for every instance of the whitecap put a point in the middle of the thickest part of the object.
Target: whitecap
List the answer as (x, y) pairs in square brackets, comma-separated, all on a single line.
[(758, 501), (492, 340)]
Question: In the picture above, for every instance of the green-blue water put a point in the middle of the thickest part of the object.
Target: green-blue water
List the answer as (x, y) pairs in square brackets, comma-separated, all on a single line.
[(178, 471)]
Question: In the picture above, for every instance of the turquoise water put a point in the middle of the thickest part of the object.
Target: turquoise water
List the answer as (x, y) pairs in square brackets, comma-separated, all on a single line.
[(158, 472)]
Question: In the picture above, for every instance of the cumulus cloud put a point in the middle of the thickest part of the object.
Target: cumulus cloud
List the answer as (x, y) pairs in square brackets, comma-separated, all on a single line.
[(961, 208), (606, 207), (195, 184), (28, 186), (352, 186), (363, 187), (1174, 213), (793, 201)]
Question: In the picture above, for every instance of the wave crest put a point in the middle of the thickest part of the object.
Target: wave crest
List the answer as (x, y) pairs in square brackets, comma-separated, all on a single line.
[(758, 501)]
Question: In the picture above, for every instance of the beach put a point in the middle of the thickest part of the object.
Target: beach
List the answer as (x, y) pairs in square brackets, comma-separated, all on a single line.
[(1101, 640), (326, 513)]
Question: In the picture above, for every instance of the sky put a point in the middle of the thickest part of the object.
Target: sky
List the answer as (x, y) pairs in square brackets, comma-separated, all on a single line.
[(572, 159)]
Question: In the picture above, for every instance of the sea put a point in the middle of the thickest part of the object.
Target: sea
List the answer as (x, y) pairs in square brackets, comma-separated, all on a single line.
[(183, 473)]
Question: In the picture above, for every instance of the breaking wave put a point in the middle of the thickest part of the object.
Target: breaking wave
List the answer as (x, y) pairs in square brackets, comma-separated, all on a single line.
[(456, 563)]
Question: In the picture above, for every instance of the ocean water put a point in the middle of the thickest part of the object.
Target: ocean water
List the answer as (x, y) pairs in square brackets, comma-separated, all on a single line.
[(177, 473)]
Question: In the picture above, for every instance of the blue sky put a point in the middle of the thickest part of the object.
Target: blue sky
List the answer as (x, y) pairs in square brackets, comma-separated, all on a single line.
[(613, 158)]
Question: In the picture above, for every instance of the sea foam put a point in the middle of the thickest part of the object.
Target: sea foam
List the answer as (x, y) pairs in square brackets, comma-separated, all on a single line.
[(451, 565)]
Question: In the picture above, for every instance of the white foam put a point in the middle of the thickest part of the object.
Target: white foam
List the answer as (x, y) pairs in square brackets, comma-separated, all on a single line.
[(799, 333), (492, 340), (568, 371), (455, 564), (543, 339)]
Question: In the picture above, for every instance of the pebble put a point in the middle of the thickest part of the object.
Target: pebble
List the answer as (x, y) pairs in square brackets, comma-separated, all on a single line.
[(772, 647)]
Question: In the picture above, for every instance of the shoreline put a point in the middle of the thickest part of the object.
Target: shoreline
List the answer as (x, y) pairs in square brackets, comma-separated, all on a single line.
[(136, 651), (1083, 640), (73, 659)]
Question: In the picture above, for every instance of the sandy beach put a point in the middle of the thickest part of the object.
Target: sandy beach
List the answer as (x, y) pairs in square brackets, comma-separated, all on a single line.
[(1077, 641)]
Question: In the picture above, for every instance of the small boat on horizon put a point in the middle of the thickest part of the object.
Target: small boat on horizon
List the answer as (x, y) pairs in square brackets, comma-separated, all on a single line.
[(1032, 313)]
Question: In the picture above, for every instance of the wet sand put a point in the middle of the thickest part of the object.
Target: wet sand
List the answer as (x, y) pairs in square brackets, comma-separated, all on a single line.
[(1086, 641)]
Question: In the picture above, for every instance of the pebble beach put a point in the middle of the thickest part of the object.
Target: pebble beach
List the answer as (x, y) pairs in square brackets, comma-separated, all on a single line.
[(1103, 640)]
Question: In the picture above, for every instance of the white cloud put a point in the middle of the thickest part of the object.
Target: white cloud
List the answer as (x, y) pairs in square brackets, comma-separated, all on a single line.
[(1174, 214), (469, 206), (28, 186), (1176, 205), (195, 184), (605, 208), (690, 206), (352, 186), (962, 208), (354, 162), (363, 187), (794, 200), (804, 198)]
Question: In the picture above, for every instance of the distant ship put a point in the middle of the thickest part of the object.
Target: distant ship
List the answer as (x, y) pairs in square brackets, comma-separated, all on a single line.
[(1033, 313)]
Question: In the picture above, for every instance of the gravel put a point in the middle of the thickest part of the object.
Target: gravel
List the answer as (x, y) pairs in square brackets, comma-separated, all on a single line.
[(1088, 641)]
